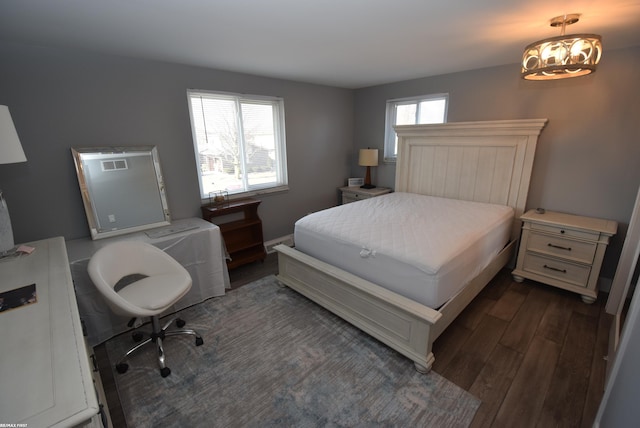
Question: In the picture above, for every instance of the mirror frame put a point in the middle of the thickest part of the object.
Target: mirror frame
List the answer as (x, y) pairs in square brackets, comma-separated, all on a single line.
[(89, 194)]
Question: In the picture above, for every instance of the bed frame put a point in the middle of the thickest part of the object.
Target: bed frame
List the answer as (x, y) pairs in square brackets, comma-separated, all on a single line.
[(477, 161)]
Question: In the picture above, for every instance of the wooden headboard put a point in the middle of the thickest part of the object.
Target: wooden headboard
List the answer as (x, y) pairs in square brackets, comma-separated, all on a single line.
[(476, 161)]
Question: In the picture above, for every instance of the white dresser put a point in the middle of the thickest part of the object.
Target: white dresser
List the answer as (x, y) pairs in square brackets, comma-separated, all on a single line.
[(46, 379), (563, 250)]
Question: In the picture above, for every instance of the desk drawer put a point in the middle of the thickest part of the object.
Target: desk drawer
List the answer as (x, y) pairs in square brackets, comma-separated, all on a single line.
[(558, 269), (579, 251)]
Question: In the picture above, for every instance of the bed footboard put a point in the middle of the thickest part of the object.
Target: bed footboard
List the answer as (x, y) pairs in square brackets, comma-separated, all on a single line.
[(402, 324), (398, 322)]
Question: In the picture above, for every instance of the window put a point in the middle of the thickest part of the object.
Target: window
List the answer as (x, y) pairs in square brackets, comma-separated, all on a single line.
[(412, 111), (239, 142)]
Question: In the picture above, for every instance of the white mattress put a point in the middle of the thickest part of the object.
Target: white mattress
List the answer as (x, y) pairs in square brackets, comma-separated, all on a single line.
[(422, 247)]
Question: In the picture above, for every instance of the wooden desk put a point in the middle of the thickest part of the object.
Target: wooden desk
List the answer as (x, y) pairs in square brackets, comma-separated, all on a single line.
[(45, 372)]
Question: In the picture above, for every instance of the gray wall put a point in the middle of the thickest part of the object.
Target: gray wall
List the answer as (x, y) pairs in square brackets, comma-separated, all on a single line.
[(588, 155), (66, 98), (619, 406)]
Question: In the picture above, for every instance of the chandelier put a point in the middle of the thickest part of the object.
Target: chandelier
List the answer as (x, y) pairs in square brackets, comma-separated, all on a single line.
[(563, 56)]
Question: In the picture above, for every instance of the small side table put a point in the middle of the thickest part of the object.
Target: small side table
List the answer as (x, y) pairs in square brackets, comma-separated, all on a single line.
[(356, 193), (564, 251), (243, 236)]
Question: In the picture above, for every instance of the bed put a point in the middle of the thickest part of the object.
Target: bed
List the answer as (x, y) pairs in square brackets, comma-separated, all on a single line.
[(488, 163)]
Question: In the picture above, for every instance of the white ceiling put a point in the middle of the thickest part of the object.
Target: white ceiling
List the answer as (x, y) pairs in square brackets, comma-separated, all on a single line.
[(344, 43)]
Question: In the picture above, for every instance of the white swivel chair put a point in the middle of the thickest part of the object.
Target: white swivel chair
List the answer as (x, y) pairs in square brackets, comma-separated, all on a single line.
[(139, 280)]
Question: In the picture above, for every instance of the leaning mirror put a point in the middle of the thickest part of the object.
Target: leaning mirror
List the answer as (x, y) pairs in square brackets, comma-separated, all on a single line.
[(122, 189)]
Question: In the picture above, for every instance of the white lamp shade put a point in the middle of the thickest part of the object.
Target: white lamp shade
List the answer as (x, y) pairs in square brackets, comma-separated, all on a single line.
[(10, 147), (368, 157)]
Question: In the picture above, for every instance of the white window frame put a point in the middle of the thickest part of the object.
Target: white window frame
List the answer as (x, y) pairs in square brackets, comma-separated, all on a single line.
[(390, 139), (277, 104)]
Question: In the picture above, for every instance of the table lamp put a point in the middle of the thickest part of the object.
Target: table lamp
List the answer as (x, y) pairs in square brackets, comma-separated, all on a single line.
[(10, 152), (368, 158)]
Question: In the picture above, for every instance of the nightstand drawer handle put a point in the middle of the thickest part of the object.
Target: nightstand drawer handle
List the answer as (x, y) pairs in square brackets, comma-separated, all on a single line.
[(555, 269), (560, 247)]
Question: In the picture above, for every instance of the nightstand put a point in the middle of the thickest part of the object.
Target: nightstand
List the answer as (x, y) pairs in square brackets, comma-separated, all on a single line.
[(564, 251), (356, 193)]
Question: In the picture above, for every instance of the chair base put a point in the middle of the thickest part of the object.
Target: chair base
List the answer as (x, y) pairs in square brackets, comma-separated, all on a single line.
[(157, 336)]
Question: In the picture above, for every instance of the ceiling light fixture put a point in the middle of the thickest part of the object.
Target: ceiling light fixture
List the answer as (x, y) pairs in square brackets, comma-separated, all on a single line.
[(563, 56)]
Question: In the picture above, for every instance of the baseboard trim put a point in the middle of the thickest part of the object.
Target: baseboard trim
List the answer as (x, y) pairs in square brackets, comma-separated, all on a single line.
[(285, 240)]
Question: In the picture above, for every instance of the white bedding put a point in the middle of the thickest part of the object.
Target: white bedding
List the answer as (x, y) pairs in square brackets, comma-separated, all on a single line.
[(422, 247)]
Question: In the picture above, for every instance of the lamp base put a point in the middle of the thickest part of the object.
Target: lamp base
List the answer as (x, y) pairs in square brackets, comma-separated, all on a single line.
[(367, 186), (13, 252), (6, 233)]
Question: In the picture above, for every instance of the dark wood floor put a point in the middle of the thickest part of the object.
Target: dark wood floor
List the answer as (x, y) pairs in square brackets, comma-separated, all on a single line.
[(533, 354)]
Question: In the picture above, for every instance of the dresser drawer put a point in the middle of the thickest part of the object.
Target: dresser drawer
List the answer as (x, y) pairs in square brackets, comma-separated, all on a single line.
[(571, 233), (554, 245), (558, 269)]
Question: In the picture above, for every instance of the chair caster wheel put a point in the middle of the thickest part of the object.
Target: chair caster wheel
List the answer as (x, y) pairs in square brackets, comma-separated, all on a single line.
[(137, 336), (165, 371), (180, 323), (122, 367), (199, 341)]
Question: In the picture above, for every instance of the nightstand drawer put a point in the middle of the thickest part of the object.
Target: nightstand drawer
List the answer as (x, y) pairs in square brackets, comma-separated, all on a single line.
[(347, 200), (558, 269), (566, 248), (354, 196), (571, 233)]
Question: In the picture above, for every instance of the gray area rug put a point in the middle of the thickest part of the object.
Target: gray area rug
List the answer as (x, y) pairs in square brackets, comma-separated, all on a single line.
[(272, 358)]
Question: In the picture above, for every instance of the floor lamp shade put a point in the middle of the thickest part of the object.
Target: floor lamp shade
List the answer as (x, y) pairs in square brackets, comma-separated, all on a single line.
[(368, 158), (10, 152)]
